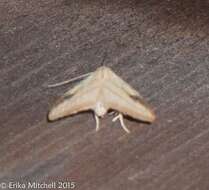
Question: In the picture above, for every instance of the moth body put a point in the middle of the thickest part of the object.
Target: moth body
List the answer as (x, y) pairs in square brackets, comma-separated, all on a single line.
[(100, 109), (100, 91)]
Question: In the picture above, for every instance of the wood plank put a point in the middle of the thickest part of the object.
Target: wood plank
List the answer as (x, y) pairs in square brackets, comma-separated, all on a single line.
[(160, 47)]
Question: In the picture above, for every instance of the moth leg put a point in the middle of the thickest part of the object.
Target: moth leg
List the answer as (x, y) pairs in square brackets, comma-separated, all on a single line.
[(122, 123), (115, 118), (97, 122), (120, 117)]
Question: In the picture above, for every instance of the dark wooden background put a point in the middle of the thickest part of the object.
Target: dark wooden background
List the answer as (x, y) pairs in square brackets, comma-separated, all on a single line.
[(161, 48)]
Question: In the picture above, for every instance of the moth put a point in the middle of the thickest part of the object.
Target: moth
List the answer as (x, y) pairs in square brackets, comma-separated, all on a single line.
[(102, 91)]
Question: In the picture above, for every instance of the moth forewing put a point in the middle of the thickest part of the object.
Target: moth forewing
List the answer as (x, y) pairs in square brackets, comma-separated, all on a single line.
[(123, 103), (69, 105), (143, 110), (79, 86), (72, 102), (123, 84)]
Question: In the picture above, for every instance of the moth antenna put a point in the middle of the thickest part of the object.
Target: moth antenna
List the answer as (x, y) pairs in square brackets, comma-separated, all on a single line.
[(103, 59), (68, 81)]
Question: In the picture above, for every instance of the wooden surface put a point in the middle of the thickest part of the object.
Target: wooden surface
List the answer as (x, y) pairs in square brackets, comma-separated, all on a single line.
[(161, 48)]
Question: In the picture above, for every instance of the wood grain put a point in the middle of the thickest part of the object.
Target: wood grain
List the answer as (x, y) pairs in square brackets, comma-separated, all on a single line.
[(160, 47)]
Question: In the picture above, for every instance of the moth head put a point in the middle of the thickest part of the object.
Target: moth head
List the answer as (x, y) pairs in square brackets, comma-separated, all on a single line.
[(103, 73), (100, 109)]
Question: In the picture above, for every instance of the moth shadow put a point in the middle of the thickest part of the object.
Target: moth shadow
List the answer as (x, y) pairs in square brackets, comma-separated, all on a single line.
[(127, 117), (67, 116), (136, 120)]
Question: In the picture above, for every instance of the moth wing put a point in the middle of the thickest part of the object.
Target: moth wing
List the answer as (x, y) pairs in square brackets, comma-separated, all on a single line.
[(71, 104), (117, 81), (133, 106), (79, 98), (79, 86)]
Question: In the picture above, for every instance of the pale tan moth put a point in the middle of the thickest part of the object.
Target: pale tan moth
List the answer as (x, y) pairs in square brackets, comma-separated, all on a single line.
[(100, 92)]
